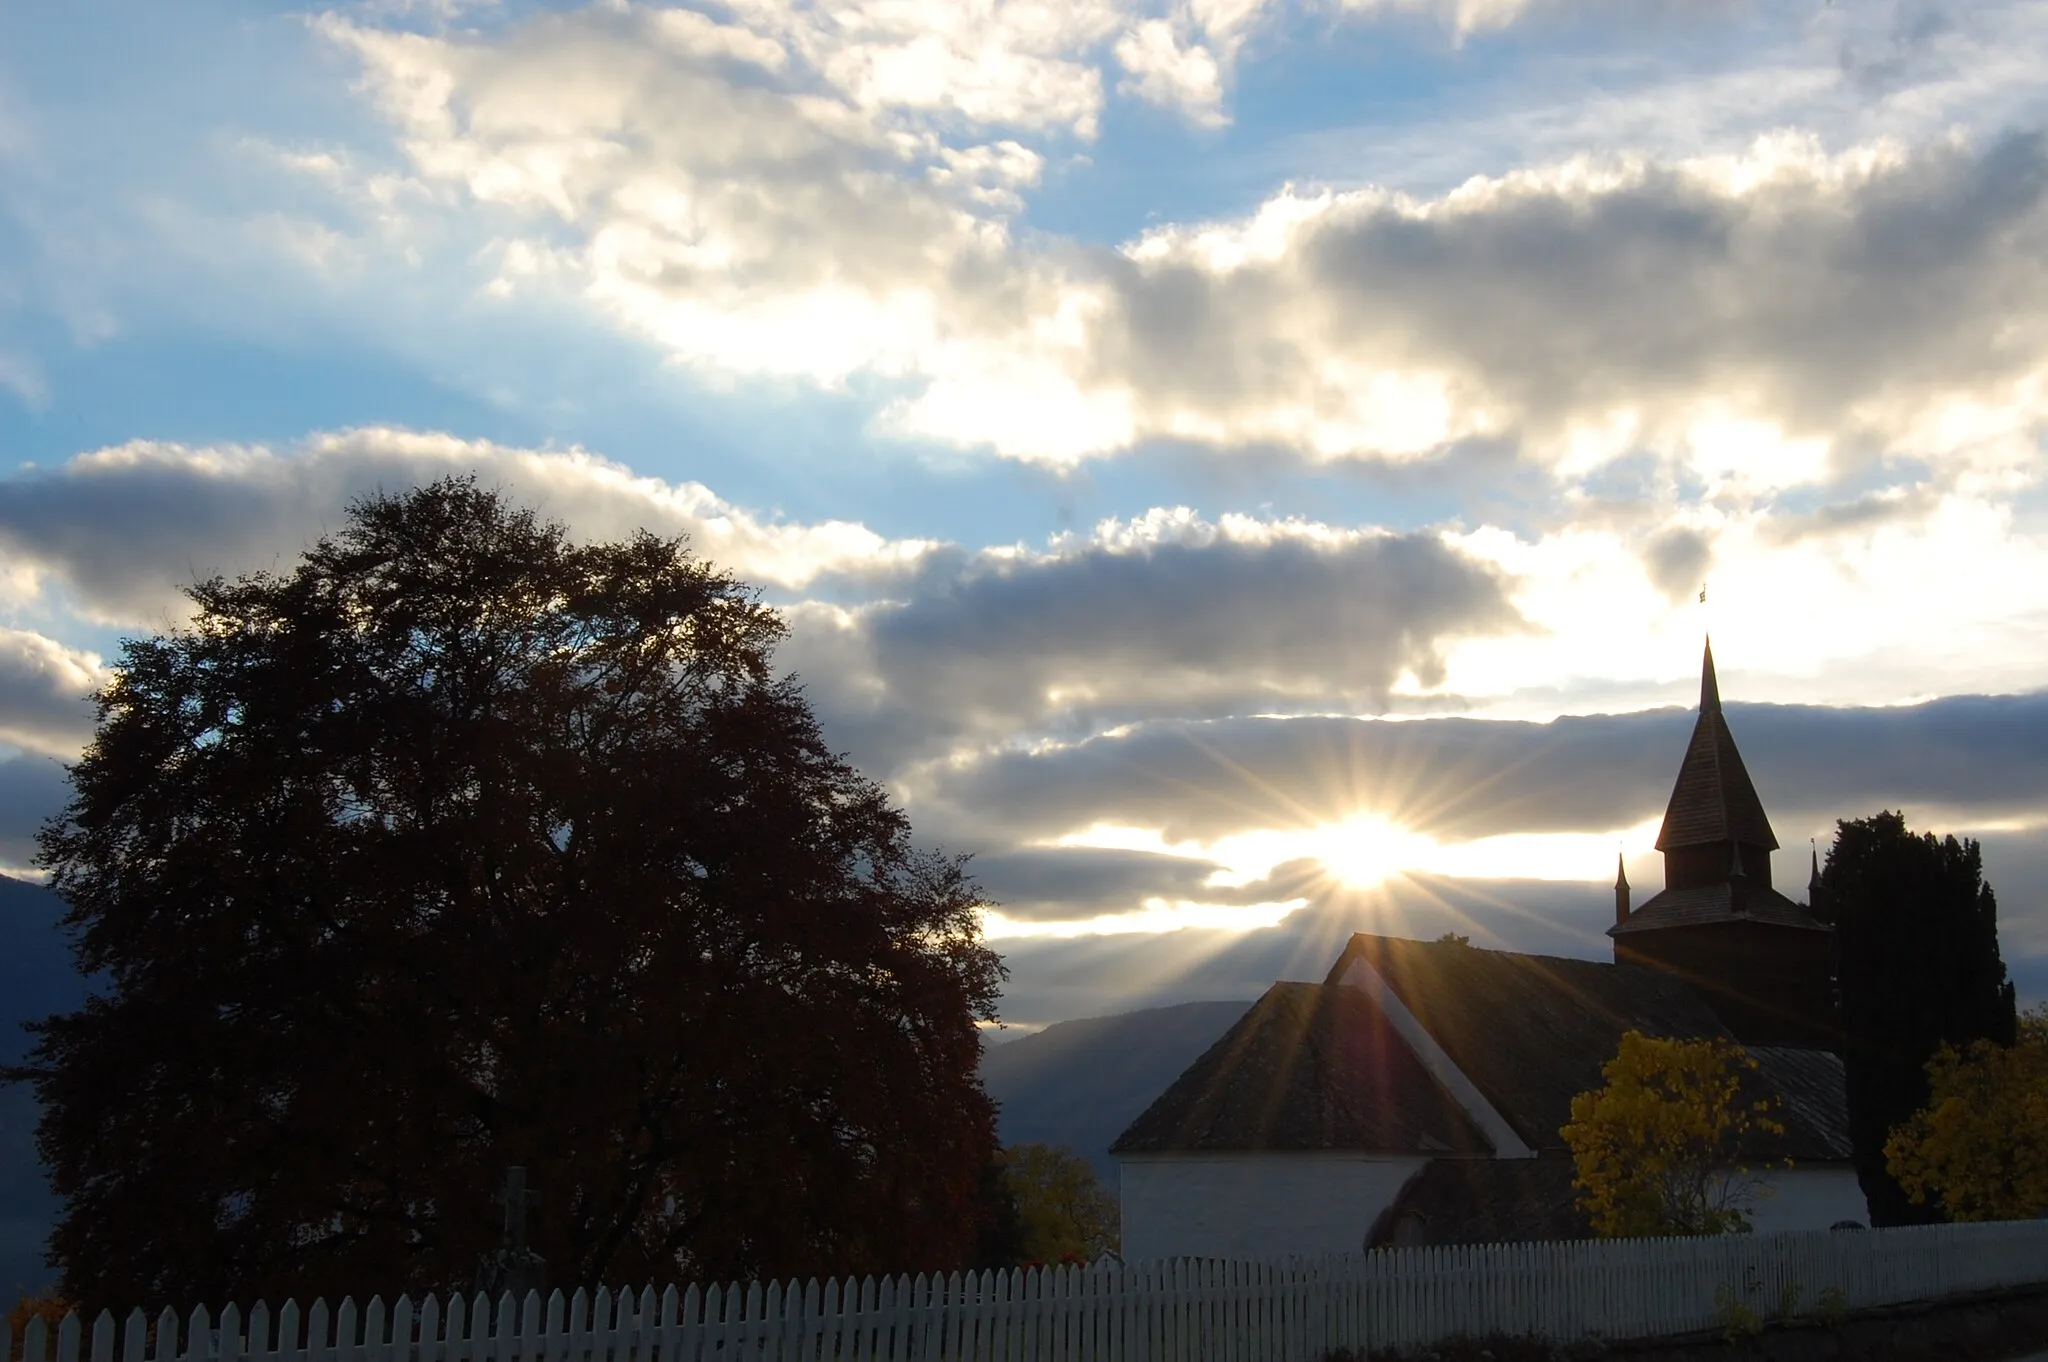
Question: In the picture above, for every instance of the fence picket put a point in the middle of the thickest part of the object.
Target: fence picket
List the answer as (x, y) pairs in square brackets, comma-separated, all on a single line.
[(1176, 1310)]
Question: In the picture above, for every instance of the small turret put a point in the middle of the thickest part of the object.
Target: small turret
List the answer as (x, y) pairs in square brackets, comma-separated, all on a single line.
[(1620, 891)]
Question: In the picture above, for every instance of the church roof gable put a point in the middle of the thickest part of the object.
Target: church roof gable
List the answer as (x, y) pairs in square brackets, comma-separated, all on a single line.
[(1713, 799), (1530, 1031), (1309, 1067)]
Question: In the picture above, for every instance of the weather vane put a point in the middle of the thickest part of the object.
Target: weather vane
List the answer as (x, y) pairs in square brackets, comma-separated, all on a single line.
[(1703, 593)]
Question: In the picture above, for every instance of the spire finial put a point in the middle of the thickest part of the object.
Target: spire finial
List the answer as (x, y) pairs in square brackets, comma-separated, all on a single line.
[(1710, 685)]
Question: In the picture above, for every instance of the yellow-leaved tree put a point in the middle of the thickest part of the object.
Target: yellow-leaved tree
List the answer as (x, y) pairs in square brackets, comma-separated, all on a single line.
[(1063, 1210), (1659, 1149), (1980, 1147)]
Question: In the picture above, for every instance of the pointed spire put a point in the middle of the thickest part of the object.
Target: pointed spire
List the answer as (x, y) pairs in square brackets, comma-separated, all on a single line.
[(1712, 800), (1620, 890)]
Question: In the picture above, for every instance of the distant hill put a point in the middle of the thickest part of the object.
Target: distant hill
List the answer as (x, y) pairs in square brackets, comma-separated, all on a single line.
[(1080, 1083), (36, 979)]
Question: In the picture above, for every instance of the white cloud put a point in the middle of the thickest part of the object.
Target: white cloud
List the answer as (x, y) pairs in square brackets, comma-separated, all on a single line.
[(22, 376), (1161, 69), (44, 687), (1760, 319)]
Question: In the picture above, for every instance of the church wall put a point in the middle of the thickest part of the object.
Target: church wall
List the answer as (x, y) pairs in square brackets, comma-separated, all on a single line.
[(1685, 867), (1769, 985), (1255, 1205), (1810, 1198)]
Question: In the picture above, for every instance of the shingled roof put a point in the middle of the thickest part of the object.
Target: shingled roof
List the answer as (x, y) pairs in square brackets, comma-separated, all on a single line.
[(1310, 1067), (1813, 1097), (1531, 1031), (1727, 901), (1487, 1201), (1713, 799)]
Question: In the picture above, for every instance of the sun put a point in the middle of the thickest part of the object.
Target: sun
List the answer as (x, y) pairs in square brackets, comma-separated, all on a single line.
[(1366, 850)]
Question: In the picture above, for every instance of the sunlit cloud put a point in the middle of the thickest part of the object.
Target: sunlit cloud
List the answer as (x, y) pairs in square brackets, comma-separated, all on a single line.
[(828, 195), (1366, 850), (1153, 916)]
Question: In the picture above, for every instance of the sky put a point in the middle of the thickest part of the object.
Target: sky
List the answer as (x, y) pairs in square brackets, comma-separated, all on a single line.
[(1244, 470)]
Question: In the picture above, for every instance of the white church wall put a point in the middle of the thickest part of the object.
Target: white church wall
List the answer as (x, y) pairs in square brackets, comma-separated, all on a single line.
[(1809, 1199), (1263, 1205)]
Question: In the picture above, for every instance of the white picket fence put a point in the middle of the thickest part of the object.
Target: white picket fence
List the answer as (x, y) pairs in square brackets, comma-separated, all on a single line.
[(1177, 1311)]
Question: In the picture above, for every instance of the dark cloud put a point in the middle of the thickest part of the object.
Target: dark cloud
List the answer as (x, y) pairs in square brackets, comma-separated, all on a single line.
[(1457, 779), (1053, 882), (1881, 56), (1102, 636), (1677, 561), (125, 529)]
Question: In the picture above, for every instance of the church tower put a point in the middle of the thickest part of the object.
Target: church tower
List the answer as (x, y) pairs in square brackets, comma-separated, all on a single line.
[(1763, 962)]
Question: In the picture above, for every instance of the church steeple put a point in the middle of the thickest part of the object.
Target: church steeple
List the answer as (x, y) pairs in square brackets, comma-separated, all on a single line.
[(1620, 891), (1714, 807), (1762, 961)]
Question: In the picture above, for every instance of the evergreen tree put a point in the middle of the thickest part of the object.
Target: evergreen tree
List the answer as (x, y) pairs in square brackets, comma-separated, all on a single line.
[(1917, 936), (464, 846)]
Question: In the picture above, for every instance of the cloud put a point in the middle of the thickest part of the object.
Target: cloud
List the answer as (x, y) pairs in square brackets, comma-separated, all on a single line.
[(123, 529), (1166, 615), (1161, 69), (22, 376), (1759, 319), (1677, 560), (1051, 883), (1981, 760), (1744, 314), (44, 687)]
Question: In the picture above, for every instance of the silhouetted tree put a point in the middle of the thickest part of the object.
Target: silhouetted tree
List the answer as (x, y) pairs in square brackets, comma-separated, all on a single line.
[(1000, 1243), (464, 846), (1917, 934)]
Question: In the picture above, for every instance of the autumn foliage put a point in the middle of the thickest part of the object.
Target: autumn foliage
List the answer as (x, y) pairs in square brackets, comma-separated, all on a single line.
[(48, 1307), (1660, 1147), (464, 846), (1980, 1147), (1064, 1213)]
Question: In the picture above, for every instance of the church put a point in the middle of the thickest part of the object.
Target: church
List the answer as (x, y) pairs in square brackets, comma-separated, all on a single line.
[(1415, 1095)]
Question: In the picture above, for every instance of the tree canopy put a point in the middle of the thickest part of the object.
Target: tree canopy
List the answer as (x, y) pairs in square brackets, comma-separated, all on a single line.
[(1917, 934), (464, 846), (1980, 1147), (1658, 1148), (1063, 1211)]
